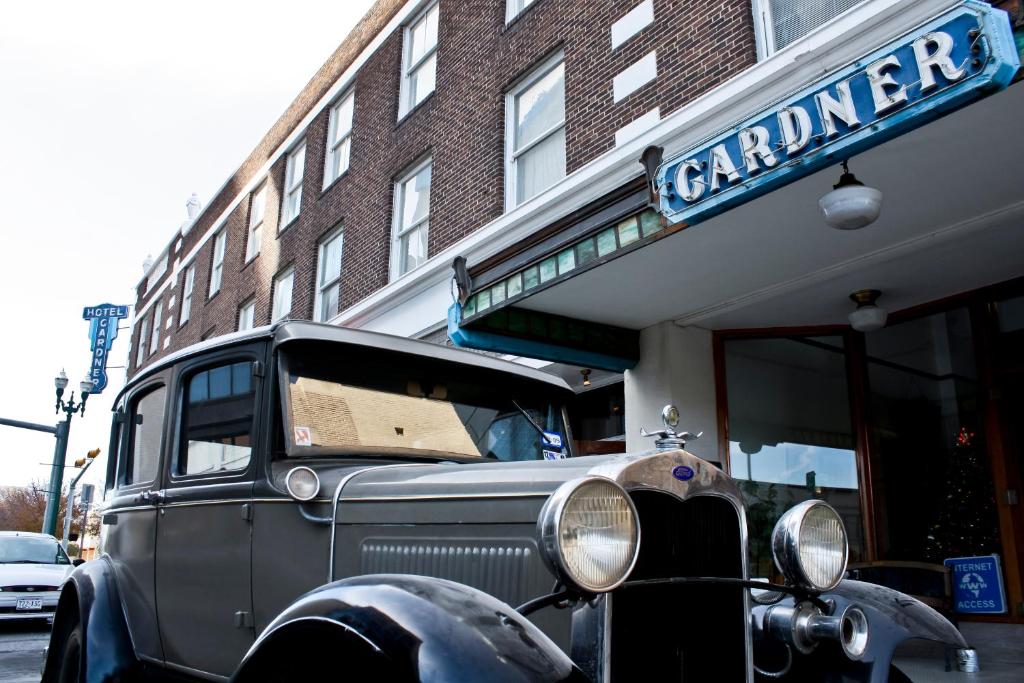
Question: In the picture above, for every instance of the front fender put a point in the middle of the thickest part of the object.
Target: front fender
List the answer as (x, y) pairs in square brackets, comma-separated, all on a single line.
[(893, 618), (90, 598), (418, 628)]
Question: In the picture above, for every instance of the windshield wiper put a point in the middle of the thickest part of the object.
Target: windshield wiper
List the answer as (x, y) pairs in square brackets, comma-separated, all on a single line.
[(533, 424)]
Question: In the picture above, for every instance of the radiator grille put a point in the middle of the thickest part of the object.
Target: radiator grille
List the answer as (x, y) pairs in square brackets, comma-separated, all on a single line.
[(793, 19), (508, 571), (682, 633)]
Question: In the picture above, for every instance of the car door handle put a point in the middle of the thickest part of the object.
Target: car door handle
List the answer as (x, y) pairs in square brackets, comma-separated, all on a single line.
[(154, 497)]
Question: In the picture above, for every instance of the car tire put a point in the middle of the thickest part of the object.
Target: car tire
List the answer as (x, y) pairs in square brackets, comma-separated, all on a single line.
[(68, 668), (897, 676)]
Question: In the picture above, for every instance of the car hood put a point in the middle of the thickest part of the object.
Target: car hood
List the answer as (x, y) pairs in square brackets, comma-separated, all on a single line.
[(34, 574)]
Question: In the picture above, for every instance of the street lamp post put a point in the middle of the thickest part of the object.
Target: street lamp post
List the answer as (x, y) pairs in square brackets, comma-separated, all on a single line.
[(61, 451)]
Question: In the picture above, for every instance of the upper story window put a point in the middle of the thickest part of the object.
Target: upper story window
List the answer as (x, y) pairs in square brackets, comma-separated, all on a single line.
[(158, 318), (247, 315), (220, 244), (328, 276), (294, 170), (147, 422), (514, 7), (257, 211), (157, 272), (535, 133), (283, 285), (143, 334), (339, 138), (216, 420), (186, 294), (419, 59), (781, 22), (412, 220)]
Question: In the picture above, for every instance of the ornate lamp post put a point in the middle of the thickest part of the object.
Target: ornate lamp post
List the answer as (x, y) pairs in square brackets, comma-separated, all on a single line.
[(63, 428)]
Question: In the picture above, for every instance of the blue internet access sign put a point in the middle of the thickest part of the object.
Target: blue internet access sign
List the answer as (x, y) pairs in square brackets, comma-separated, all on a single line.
[(977, 584), (960, 56), (103, 323)]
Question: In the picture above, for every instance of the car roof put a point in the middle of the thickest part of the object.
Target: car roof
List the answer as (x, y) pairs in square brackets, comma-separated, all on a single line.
[(294, 330), (27, 534)]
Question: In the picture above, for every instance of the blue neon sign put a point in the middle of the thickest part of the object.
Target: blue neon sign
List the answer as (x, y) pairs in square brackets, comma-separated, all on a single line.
[(103, 323), (961, 56)]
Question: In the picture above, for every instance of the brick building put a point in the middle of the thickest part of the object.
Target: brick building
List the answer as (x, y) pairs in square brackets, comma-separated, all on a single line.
[(534, 138)]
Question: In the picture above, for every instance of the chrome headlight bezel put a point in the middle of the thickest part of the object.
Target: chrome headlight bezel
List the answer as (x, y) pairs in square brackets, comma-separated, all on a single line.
[(786, 541), (549, 526), (294, 490)]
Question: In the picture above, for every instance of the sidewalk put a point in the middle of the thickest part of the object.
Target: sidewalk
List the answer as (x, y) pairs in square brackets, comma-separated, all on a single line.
[(1000, 655)]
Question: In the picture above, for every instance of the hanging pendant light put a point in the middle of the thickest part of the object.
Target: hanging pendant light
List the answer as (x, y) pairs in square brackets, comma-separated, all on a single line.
[(851, 204), (869, 316)]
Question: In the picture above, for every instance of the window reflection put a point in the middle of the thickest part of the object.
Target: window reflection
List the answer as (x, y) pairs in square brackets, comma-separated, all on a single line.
[(218, 420)]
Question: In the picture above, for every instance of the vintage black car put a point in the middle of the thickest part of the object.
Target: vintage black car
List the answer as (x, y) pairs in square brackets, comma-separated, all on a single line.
[(305, 502)]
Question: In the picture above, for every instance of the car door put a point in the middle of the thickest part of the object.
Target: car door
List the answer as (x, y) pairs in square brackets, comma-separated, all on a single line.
[(130, 515), (203, 580)]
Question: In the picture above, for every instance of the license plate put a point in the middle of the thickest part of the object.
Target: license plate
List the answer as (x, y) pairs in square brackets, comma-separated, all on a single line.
[(29, 604)]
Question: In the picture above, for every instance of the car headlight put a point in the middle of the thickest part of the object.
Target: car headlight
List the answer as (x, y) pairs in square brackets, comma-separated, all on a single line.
[(302, 483), (810, 547), (589, 534)]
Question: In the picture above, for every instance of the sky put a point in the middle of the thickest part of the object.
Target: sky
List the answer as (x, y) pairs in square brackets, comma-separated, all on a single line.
[(112, 114)]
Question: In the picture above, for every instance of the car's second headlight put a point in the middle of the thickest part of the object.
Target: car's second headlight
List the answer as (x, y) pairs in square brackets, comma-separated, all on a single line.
[(810, 547), (589, 534)]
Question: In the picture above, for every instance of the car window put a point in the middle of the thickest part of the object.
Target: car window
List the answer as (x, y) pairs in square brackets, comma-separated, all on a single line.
[(218, 408), (31, 550), (147, 421)]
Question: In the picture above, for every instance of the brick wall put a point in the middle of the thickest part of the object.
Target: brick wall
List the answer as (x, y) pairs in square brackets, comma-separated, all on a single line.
[(461, 125)]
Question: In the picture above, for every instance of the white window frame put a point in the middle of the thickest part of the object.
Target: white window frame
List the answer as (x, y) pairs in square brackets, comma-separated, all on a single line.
[(764, 31), (334, 143), (220, 243), (158, 316), (405, 93), (253, 243), (293, 187), (511, 153), (397, 231), (512, 9), (249, 305), (187, 288), (143, 342), (275, 308), (334, 282)]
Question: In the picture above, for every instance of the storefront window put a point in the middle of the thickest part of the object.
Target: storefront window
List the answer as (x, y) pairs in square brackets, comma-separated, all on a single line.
[(790, 434), (931, 479)]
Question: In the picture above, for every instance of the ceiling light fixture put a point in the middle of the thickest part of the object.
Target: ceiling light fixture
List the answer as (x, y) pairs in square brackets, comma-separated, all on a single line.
[(868, 317), (851, 204)]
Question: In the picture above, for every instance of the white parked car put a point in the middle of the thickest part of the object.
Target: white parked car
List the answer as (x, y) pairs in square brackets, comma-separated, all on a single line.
[(32, 568)]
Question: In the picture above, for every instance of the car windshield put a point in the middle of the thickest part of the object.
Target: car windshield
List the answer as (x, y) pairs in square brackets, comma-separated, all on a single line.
[(391, 404), (31, 550)]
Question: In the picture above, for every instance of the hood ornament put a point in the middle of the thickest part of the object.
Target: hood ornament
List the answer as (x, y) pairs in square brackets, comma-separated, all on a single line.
[(668, 439)]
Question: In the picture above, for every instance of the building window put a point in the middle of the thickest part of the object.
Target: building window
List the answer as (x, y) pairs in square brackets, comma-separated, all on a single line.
[(257, 211), (158, 316), (419, 61), (186, 294), (217, 271), (247, 315), (328, 276), (293, 184), (339, 139), (283, 285), (143, 334), (781, 22), (515, 7), (412, 220), (535, 133)]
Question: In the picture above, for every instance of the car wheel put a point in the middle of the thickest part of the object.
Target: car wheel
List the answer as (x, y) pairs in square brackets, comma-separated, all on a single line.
[(71, 657)]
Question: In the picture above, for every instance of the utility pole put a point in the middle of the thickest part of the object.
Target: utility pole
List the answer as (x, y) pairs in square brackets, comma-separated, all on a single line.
[(70, 505)]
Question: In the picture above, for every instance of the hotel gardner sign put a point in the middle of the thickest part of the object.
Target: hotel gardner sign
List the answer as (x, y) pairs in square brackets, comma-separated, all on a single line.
[(961, 56)]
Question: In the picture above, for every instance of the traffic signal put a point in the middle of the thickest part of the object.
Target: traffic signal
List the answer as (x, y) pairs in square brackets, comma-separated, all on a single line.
[(88, 456)]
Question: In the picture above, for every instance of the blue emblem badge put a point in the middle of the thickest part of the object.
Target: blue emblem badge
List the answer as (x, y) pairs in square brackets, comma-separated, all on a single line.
[(682, 472)]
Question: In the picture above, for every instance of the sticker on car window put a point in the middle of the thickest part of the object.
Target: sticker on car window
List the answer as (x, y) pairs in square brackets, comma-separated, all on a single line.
[(552, 439), (303, 436), (554, 455)]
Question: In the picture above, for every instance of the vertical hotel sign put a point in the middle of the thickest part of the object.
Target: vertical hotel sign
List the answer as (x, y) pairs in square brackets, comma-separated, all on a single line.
[(103, 323), (960, 56)]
